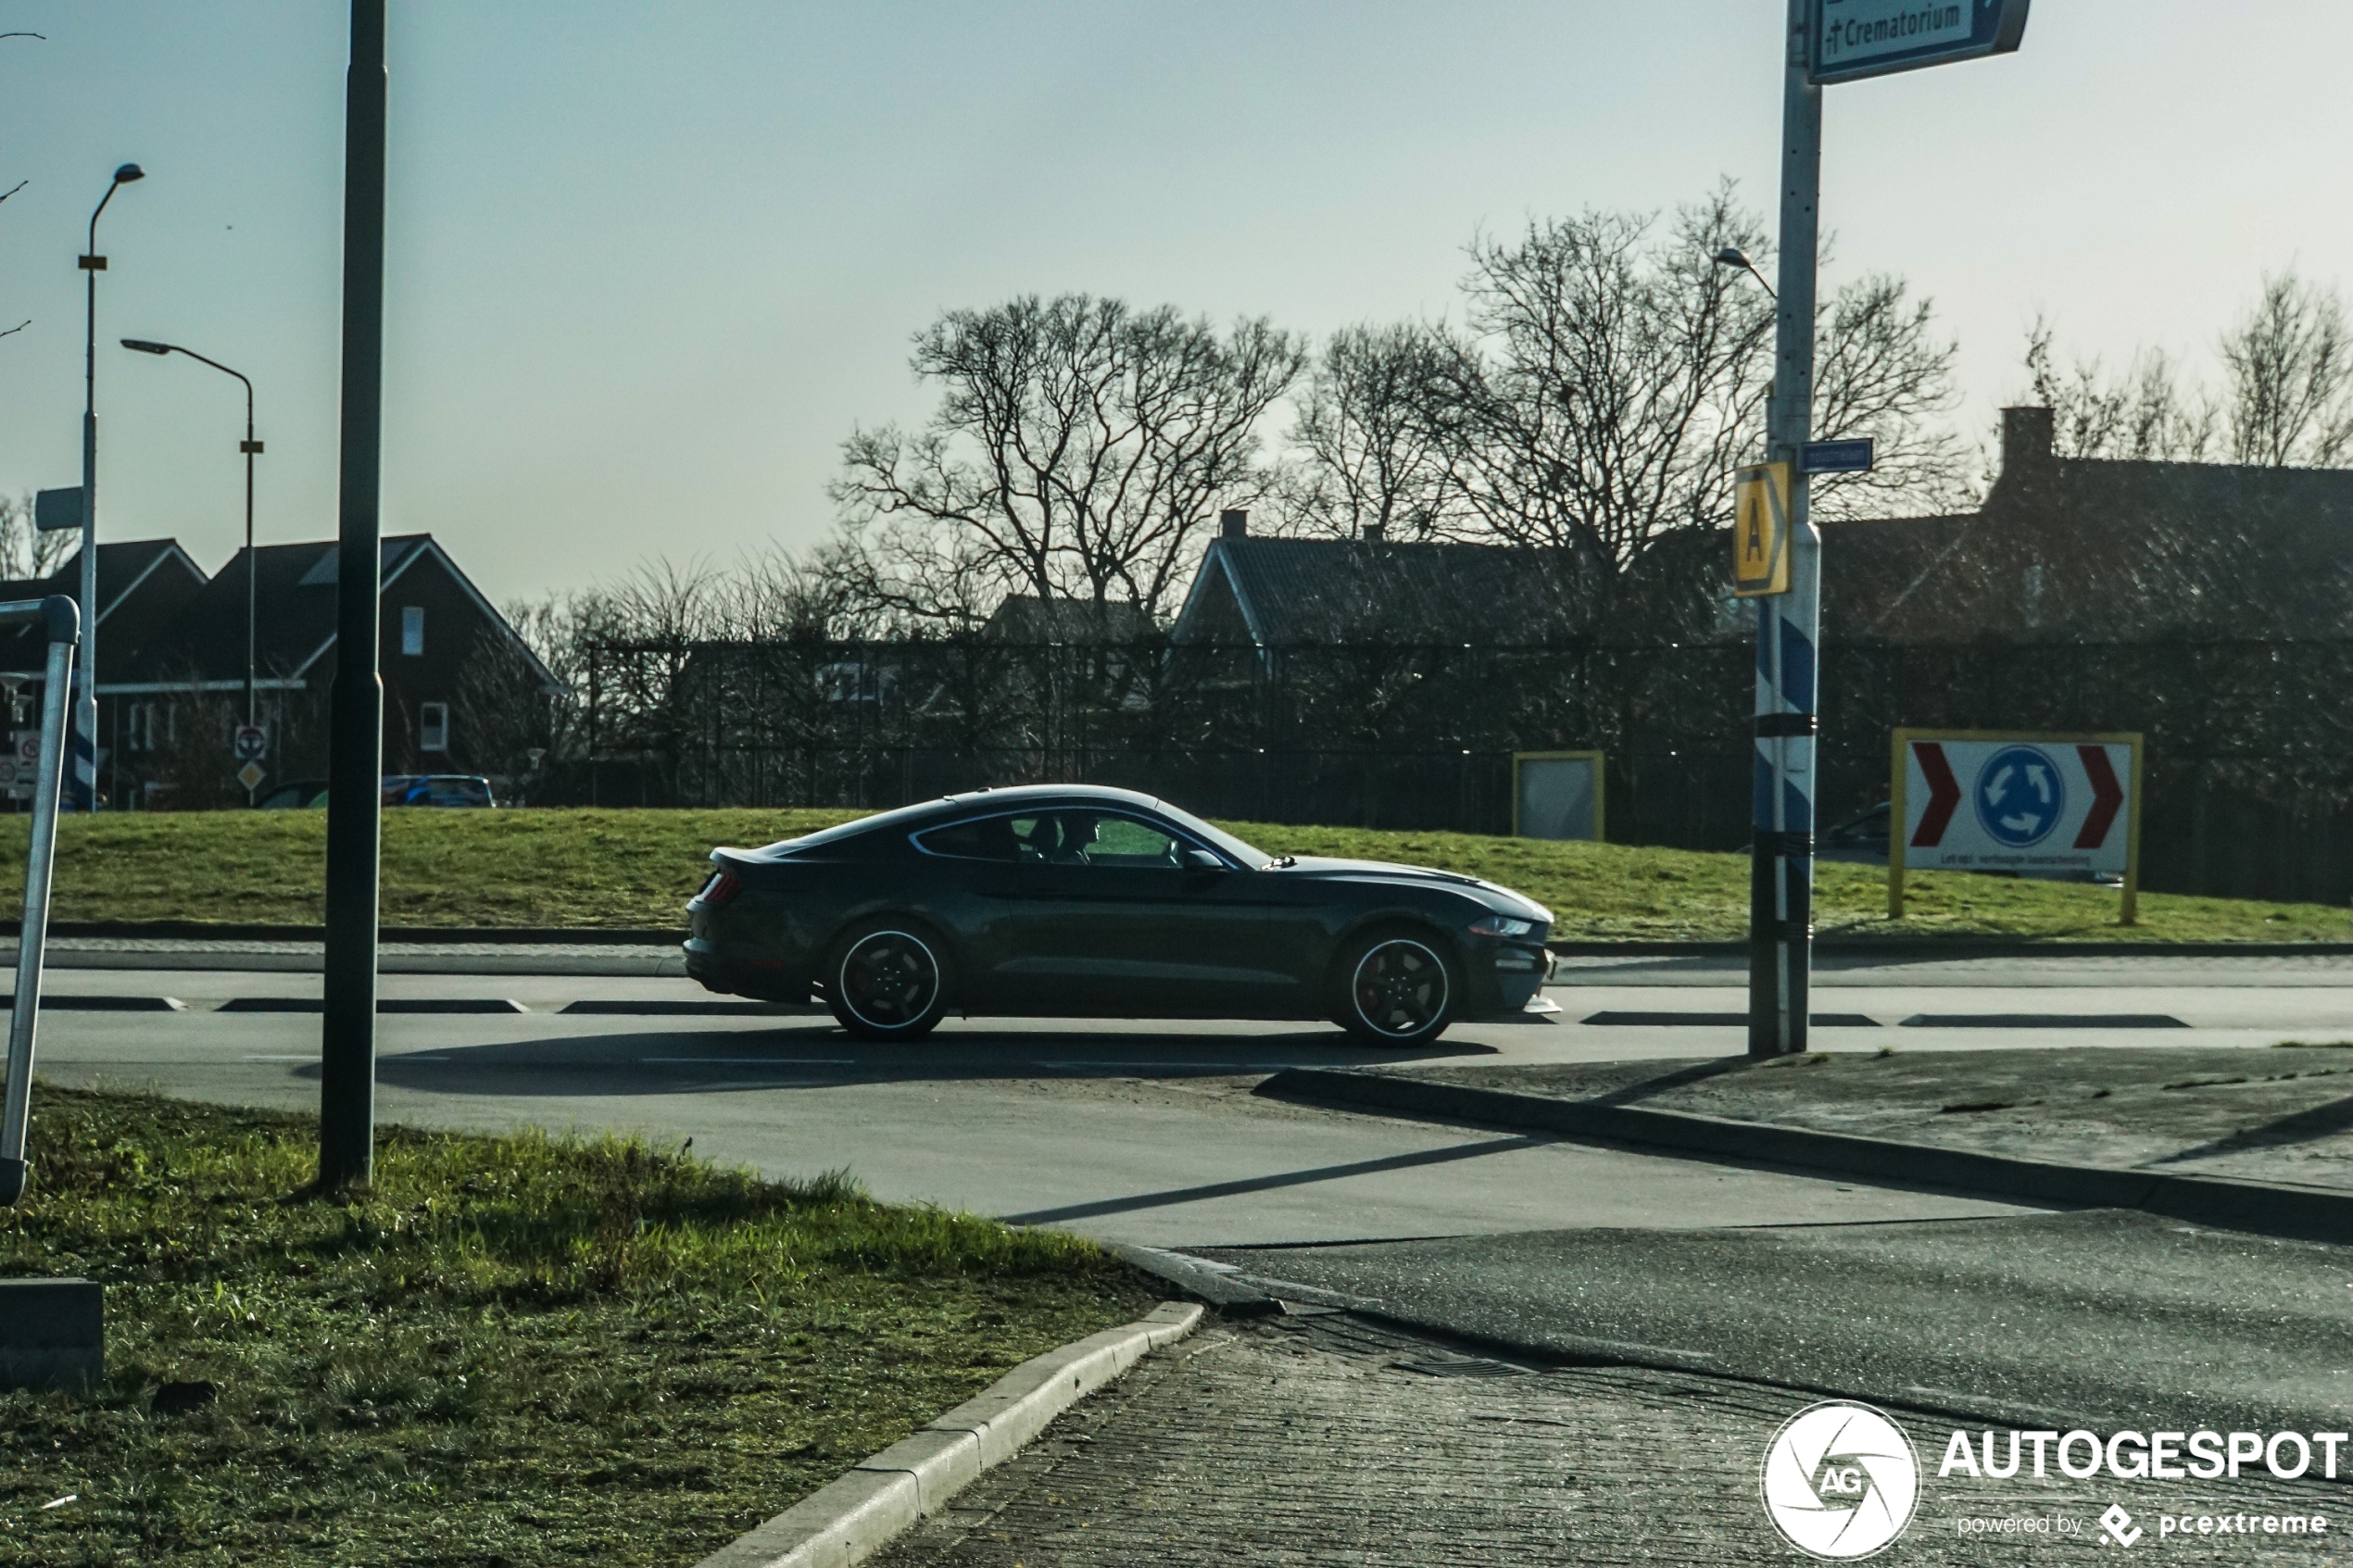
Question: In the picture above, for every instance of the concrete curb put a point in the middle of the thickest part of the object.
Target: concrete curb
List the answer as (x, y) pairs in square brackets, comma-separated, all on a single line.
[(617, 964), (849, 1520), (223, 931), (2264, 1208), (1962, 948)]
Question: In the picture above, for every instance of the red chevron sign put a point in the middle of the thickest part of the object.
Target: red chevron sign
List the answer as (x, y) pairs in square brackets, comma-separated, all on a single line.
[(2035, 805)]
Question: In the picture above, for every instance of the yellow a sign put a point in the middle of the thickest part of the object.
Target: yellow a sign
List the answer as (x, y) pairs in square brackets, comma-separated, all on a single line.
[(1760, 531)]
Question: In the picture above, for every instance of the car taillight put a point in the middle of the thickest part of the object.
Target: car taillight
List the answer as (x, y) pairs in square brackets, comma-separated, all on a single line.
[(720, 889)]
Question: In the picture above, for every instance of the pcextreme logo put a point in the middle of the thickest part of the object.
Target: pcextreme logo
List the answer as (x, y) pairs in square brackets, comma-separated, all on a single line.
[(1840, 1481)]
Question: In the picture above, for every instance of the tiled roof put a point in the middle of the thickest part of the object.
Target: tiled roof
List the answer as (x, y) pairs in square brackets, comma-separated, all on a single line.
[(1322, 591)]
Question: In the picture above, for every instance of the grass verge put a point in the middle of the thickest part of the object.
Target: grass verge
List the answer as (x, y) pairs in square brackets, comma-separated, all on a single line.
[(512, 1350), (637, 868)]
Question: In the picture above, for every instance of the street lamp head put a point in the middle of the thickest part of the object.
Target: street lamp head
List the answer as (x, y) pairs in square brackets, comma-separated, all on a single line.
[(128, 173), (143, 346), (1731, 255)]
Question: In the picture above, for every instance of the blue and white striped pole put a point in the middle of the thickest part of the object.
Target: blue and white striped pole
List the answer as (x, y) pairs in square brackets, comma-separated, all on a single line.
[(1789, 625)]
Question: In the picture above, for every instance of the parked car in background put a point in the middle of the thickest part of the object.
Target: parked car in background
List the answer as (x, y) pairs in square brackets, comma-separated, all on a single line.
[(298, 794), (1861, 839), (1092, 902), (438, 789)]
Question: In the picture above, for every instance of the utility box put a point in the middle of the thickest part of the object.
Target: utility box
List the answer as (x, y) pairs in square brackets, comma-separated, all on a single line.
[(52, 1333), (1556, 795)]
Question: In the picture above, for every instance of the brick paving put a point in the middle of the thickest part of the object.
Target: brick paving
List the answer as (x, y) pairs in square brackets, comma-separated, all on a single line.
[(1330, 1440)]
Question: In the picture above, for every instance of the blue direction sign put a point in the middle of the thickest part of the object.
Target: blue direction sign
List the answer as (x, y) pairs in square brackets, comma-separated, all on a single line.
[(1836, 456), (1854, 39)]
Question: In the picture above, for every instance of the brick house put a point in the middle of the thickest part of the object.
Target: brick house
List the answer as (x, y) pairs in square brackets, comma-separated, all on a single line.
[(171, 666)]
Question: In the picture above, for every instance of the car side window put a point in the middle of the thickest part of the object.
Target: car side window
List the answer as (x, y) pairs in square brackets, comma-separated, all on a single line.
[(1100, 840), (1057, 839), (981, 838)]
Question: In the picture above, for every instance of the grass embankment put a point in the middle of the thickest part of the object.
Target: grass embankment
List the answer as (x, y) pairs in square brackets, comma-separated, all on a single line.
[(513, 1350), (636, 868)]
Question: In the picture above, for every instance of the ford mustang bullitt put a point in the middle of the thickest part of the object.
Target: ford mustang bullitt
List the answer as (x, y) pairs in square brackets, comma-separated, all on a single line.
[(1093, 902)]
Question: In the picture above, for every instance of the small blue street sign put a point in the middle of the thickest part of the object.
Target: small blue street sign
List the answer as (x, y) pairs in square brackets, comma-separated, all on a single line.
[(1853, 39), (54, 509), (1836, 456)]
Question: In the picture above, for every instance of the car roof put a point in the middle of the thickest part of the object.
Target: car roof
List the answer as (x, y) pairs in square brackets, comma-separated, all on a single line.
[(1024, 794), (924, 814)]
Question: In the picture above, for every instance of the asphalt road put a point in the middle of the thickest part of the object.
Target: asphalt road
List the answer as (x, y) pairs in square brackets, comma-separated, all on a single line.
[(1143, 1133), (2120, 1318), (1148, 1132)]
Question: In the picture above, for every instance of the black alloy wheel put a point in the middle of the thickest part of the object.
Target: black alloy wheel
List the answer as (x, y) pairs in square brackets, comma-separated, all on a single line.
[(1399, 990), (887, 983)]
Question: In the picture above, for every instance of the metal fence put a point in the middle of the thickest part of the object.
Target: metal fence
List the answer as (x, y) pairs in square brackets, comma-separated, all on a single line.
[(2250, 751)]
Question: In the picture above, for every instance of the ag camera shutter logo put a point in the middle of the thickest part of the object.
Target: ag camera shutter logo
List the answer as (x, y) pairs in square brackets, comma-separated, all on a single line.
[(1840, 1481)]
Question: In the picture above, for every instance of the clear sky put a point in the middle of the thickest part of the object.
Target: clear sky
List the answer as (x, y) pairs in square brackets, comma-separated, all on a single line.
[(650, 262)]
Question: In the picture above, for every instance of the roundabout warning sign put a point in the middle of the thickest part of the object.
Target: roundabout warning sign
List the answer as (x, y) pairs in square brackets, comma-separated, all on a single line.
[(2054, 806)]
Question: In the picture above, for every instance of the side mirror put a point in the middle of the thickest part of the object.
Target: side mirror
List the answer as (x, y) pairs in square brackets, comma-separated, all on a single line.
[(1202, 860)]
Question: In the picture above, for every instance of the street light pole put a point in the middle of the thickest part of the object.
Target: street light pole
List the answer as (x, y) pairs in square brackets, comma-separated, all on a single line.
[(251, 449), (85, 672)]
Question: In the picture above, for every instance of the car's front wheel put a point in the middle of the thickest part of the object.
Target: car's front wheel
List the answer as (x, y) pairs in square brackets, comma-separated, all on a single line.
[(888, 980), (1397, 989)]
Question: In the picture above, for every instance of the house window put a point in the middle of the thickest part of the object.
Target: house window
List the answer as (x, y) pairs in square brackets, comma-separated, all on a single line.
[(149, 724), (413, 630), (433, 726)]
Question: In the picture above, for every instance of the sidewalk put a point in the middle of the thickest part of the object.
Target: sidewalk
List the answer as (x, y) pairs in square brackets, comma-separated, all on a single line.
[(2264, 1114), (1326, 1439)]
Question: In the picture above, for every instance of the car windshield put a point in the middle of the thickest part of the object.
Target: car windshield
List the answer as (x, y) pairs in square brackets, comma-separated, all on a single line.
[(1248, 853)]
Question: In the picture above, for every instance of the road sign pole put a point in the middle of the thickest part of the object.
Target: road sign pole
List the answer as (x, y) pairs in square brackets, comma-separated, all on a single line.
[(1788, 625)]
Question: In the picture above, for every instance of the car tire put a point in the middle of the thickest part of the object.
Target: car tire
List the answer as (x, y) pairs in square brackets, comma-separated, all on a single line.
[(888, 980), (1398, 986)]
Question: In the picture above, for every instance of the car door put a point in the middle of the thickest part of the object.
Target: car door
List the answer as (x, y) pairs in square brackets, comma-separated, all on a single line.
[(1122, 921)]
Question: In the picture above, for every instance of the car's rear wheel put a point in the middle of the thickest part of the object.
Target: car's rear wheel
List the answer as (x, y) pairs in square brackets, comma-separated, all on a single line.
[(888, 980), (1397, 989)]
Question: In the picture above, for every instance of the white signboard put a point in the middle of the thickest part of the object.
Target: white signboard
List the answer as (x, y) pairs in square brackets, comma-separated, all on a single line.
[(2064, 806), (1853, 39), (1556, 795)]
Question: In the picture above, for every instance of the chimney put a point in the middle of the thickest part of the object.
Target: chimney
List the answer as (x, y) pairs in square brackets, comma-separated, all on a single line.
[(1374, 532), (1233, 524), (2027, 438)]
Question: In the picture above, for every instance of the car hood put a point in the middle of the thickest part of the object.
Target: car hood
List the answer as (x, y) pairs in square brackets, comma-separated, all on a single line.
[(1495, 897)]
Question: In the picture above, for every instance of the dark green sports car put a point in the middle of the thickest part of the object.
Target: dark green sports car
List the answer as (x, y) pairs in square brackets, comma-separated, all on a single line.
[(1078, 901)]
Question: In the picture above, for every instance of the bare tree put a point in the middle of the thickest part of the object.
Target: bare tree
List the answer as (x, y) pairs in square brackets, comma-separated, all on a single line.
[(2147, 414), (1373, 438), (1610, 380), (1079, 450), (25, 551), (1614, 378), (1882, 371), (2290, 361)]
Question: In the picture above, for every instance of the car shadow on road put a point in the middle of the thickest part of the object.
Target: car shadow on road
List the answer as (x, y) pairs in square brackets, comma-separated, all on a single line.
[(818, 1055)]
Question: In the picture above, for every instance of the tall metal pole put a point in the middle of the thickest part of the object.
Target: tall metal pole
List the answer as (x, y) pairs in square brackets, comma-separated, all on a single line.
[(1789, 625), (85, 670), (63, 624), (355, 771), (252, 449)]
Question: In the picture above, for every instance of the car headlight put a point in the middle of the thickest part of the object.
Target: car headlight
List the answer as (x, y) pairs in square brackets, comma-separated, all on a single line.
[(1500, 926)]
